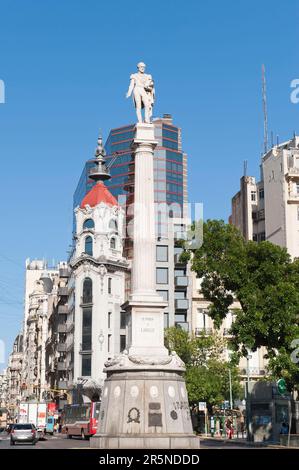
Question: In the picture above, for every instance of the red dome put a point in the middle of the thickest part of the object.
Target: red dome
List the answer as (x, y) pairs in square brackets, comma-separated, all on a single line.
[(99, 193)]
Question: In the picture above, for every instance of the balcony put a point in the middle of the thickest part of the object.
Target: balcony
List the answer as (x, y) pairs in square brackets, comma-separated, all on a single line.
[(253, 372), (64, 272), (293, 197), (62, 385), (203, 331), (63, 291), (63, 309), (181, 304), (61, 365), (292, 173), (181, 281), (62, 328), (69, 326), (61, 347)]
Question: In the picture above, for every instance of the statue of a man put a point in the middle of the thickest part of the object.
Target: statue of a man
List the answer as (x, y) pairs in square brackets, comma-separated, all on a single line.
[(142, 87)]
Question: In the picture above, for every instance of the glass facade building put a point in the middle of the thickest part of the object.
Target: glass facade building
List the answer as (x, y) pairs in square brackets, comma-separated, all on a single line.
[(170, 186)]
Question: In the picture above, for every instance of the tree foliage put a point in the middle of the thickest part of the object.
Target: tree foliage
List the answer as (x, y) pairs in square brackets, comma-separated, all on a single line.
[(265, 281), (207, 373)]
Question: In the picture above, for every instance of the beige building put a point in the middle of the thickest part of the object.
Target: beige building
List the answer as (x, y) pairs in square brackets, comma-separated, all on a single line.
[(13, 374), (269, 209)]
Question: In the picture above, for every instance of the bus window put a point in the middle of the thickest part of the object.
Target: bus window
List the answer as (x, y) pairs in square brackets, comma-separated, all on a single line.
[(96, 410)]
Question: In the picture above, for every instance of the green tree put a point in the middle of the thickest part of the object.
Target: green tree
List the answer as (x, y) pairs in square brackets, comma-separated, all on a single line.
[(263, 278), (207, 375)]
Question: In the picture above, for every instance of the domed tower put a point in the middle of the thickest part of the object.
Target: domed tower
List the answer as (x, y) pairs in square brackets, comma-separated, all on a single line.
[(98, 278)]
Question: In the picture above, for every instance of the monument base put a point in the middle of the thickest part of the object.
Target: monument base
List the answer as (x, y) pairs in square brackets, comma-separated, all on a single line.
[(145, 442), (145, 405)]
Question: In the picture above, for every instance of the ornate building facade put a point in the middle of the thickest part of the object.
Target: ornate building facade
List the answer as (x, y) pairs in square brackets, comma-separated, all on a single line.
[(97, 286)]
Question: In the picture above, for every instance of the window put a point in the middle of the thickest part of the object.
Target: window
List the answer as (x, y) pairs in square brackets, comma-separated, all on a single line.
[(166, 320), (163, 294), (162, 253), (86, 365), (87, 291), (109, 319), (179, 294), (109, 343), (113, 225), (297, 188), (261, 194), (88, 246), (162, 275), (298, 213), (122, 342), (112, 243), (86, 329), (254, 237), (253, 195), (109, 285), (88, 224), (122, 320)]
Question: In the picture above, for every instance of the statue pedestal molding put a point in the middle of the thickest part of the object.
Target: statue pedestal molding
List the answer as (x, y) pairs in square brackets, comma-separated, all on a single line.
[(144, 400)]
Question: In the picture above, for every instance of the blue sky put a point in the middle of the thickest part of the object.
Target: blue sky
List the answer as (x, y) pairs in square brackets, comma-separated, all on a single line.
[(66, 66)]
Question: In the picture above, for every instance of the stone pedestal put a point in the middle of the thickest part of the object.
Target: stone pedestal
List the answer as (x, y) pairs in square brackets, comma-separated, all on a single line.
[(145, 405), (144, 400)]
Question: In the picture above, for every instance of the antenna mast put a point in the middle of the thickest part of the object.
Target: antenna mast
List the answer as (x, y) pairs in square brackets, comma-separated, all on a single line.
[(265, 109)]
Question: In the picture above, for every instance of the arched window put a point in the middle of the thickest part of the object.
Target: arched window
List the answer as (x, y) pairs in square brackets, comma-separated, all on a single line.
[(88, 223), (113, 225), (87, 291), (113, 243), (88, 246)]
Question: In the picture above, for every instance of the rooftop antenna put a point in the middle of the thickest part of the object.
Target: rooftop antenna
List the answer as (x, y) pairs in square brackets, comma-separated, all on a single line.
[(265, 109), (245, 167)]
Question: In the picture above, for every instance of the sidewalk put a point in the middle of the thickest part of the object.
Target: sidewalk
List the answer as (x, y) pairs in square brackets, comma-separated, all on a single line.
[(240, 442)]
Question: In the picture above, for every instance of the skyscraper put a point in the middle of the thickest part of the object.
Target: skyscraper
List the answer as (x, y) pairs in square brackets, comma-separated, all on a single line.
[(170, 185)]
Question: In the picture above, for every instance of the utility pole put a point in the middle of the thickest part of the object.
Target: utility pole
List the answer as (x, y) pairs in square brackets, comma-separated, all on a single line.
[(248, 418), (265, 109)]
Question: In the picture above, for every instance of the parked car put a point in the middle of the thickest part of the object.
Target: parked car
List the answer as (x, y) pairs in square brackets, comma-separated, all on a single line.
[(23, 433)]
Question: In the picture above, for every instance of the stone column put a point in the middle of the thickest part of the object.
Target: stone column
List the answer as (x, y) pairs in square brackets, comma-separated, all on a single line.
[(146, 308), (143, 268)]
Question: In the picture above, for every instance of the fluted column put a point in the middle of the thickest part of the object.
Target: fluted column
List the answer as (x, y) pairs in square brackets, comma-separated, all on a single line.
[(143, 267)]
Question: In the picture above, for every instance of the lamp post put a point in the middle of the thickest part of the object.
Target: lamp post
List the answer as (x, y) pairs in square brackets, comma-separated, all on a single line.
[(248, 423), (230, 389)]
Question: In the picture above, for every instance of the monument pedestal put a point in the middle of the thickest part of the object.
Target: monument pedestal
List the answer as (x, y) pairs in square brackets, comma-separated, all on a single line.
[(145, 405)]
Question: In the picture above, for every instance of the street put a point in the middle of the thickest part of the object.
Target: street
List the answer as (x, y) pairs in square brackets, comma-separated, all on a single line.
[(51, 442), (61, 442)]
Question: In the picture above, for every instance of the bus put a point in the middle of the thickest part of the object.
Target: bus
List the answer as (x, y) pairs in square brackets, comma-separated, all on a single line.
[(80, 419)]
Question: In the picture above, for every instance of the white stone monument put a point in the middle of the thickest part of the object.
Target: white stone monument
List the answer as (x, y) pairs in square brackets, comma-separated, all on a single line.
[(144, 400)]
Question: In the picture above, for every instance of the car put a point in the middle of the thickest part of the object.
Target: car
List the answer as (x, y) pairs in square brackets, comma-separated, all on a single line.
[(23, 433)]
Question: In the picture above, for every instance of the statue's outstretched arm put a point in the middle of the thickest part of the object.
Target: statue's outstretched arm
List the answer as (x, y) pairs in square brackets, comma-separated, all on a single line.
[(131, 87)]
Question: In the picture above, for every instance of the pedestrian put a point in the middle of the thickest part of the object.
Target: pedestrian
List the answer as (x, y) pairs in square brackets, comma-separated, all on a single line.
[(284, 428), (229, 429)]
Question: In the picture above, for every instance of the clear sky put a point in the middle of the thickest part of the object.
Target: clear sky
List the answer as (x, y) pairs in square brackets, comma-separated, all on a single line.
[(66, 67)]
